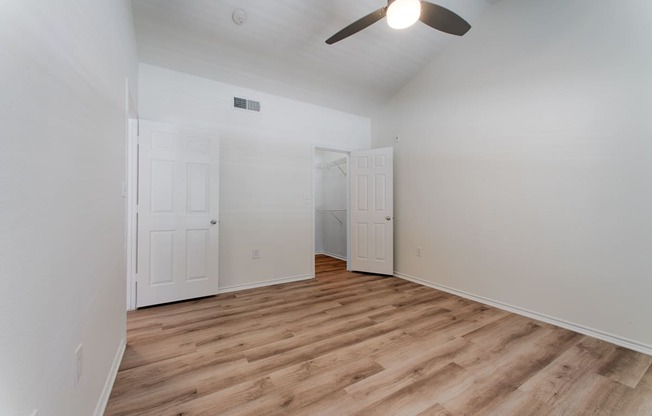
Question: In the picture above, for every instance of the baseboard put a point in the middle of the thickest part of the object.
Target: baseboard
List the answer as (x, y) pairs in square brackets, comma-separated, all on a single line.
[(265, 283), (614, 339), (335, 256), (110, 379)]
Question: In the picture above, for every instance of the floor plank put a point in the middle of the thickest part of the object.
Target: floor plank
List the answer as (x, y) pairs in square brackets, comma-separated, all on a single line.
[(349, 343)]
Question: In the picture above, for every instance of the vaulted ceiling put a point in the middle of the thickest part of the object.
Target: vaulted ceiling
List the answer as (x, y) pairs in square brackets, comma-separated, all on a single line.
[(280, 49)]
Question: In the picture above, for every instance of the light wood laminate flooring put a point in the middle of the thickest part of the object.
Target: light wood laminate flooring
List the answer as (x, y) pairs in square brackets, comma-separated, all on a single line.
[(358, 344)]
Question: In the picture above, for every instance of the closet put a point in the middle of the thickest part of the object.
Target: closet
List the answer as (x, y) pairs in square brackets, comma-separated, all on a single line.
[(331, 170)]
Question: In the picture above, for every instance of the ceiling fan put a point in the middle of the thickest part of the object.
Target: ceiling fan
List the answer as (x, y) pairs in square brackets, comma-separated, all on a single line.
[(404, 13)]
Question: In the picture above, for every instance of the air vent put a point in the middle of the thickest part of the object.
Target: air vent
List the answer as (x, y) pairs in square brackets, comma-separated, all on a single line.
[(240, 103), (245, 104), (253, 105)]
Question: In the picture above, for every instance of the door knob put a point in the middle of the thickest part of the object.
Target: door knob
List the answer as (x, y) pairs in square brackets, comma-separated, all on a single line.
[(388, 218), (213, 222)]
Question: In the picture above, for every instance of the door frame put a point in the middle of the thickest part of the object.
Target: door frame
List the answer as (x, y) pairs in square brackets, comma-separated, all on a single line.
[(347, 154), (132, 200), (129, 192)]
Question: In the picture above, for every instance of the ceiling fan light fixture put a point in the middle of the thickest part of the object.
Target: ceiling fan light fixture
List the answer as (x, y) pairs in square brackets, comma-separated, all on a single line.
[(403, 13)]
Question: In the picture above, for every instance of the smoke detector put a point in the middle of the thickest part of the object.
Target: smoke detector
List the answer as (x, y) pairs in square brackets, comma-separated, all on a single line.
[(239, 16)]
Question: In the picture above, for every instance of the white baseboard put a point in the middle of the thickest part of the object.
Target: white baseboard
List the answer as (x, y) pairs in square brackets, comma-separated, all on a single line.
[(110, 379), (335, 256), (265, 283), (614, 339)]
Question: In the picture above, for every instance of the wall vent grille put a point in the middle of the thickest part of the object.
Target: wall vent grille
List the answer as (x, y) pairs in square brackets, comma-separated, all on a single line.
[(240, 103), (245, 104), (253, 105)]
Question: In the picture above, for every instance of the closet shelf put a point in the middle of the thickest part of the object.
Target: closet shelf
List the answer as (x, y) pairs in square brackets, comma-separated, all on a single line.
[(337, 163)]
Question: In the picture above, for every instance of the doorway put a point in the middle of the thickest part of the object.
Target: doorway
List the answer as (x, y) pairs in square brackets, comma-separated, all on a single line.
[(331, 200)]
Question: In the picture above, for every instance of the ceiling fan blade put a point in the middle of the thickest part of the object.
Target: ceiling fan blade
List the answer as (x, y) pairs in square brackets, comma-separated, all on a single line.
[(358, 25), (441, 18)]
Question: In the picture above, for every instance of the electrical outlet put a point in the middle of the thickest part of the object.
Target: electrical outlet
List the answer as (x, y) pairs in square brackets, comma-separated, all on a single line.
[(419, 252), (255, 253), (79, 363), (34, 412)]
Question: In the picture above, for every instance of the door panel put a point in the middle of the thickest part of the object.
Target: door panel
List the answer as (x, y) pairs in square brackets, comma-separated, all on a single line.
[(196, 254), (161, 259), (372, 216), (198, 188), (177, 202), (161, 185)]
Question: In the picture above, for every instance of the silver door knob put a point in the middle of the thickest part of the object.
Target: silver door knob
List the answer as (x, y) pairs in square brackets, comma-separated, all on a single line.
[(213, 222), (388, 218)]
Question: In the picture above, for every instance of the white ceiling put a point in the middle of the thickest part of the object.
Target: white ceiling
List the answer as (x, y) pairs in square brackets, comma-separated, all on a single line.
[(281, 50)]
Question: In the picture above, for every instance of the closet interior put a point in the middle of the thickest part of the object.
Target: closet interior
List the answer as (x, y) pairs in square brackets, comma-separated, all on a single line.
[(331, 170)]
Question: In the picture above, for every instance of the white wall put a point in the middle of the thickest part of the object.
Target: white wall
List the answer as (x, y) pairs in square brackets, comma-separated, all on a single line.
[(524, 164), (63, 131), (265, 167)]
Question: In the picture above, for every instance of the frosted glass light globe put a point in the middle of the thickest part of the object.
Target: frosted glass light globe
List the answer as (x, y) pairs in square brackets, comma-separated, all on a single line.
[(403, 13)]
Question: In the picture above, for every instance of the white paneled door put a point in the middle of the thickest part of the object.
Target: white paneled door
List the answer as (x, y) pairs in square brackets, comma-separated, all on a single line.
[(372, 211), (177, 214)]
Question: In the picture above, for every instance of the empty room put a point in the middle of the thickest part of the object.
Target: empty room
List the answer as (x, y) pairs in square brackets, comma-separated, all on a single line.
[(372, 207)]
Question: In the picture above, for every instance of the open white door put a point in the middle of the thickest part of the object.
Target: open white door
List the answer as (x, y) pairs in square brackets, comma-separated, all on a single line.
[(372, 211), (177, 214)]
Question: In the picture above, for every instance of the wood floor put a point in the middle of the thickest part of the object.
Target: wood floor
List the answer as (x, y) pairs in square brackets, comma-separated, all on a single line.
[(354, 344)]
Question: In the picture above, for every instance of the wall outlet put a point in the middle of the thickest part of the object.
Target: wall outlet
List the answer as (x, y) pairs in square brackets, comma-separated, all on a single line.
[(79, 363), (255, 253), (34, 412), (419, 253)]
